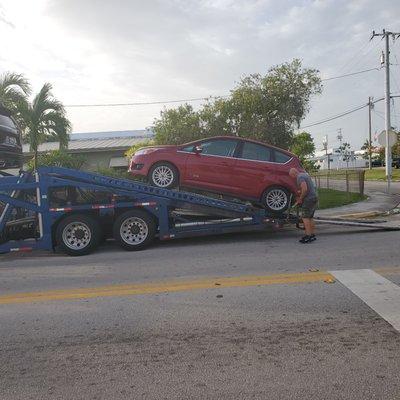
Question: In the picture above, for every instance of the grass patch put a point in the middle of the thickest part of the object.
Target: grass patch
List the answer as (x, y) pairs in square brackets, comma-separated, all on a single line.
[(378, 174), (329, 198)]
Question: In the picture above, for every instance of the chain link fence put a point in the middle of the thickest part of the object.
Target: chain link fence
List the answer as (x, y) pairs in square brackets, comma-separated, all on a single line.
[(350, 181)]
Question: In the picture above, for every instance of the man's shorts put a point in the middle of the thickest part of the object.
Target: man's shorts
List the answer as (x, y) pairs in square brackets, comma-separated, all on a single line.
[(308, 207)]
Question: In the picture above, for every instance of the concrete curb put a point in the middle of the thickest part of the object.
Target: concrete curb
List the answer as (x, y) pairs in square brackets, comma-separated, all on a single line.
[(375, 205)]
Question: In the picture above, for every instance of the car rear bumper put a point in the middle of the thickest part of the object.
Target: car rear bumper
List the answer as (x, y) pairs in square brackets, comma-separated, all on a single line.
[(9, 159)]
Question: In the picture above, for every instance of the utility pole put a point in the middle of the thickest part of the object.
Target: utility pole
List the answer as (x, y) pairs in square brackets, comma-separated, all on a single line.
[(388, 150), (340, 138), (370, 105), (325, 144)]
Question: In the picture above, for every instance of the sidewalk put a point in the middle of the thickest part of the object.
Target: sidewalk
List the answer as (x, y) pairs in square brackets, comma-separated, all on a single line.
[(377, 203)]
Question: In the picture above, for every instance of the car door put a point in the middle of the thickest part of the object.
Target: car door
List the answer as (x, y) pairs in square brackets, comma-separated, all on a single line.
[(254, 169), (212, 167)]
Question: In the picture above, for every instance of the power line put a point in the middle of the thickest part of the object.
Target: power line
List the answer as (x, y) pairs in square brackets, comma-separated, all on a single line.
[(192, 99), (358, 52), (344, 113), (335, 116), (351, 74), (144, 103), (360, 59)]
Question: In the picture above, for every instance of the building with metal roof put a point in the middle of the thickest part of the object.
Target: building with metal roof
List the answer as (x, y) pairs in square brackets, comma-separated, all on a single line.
[(100, 149)]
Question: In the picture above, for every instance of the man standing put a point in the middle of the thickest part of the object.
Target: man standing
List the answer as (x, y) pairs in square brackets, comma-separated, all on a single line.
[(308, 200)]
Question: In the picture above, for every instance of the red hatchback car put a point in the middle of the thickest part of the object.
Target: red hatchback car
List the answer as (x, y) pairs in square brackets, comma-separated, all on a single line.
[(237, 167)]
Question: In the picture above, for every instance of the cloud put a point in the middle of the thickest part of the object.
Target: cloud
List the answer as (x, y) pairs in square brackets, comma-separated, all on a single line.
[(130, 50)]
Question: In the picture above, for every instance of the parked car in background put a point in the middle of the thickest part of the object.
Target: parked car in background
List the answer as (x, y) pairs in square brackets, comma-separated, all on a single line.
[(10, 141), (242, 168)]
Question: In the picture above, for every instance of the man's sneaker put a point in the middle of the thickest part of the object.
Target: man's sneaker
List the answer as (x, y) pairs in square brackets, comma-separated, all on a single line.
[(305, 239), (312, 238)]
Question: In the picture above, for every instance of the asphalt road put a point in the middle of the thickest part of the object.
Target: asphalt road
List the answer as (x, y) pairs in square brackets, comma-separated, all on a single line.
[(205, 318)]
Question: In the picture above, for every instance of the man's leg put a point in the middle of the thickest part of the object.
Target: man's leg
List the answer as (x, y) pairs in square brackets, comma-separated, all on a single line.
[(308, 226), (312, 226)]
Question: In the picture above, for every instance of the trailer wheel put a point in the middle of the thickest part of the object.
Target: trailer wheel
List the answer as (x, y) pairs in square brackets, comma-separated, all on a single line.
[(78, 235), (276, 199), (134, 230)]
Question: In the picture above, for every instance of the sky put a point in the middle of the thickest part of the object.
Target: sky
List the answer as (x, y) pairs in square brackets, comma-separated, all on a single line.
[(124, 51)]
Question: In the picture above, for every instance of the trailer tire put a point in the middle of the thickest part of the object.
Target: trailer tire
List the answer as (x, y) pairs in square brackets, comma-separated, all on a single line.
[(134, 230), (78, 234)]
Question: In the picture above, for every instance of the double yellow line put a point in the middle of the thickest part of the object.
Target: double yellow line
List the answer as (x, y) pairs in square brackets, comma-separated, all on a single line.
[(165, 287)]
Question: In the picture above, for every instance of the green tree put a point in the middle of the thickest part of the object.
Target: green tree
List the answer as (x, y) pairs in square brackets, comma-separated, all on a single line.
[(303, 145), (177, 126), (14, 90), (45, 120), (264, 107)]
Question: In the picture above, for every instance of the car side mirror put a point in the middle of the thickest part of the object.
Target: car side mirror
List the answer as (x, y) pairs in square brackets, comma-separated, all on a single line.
[(198, 149)]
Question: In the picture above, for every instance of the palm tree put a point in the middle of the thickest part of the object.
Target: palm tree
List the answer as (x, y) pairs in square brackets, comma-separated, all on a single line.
[(45, 120), (14, 89)]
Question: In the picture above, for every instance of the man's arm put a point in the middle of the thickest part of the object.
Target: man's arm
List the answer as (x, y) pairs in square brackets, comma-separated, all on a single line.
[(303, 192)]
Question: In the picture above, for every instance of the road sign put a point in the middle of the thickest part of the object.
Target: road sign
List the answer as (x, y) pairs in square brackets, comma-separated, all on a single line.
[(392, 138)]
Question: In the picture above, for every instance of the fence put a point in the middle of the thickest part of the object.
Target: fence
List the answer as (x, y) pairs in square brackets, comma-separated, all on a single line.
[(350, 181)]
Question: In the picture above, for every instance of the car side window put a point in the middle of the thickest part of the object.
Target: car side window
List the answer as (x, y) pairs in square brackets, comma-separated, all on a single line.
[(188, 149), (281, 158), (224, 148), (256, 152)]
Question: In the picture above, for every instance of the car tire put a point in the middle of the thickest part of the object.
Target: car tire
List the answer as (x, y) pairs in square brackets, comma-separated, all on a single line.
[(78, 235), (164, 175), (276, 199), (134, 230)]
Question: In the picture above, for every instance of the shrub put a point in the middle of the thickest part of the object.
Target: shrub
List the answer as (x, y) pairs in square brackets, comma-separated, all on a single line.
[(58, 158)]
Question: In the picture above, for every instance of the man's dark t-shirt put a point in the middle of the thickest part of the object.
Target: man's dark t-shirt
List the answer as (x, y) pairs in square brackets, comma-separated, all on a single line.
[(311, 190)]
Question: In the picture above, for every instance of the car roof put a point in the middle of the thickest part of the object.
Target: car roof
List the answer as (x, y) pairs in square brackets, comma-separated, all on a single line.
[(243, 140)]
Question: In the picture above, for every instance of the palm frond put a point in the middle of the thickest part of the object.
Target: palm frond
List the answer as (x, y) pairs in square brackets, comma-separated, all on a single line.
[(58, 127), (11, 80), (45, 102), (46, 119)]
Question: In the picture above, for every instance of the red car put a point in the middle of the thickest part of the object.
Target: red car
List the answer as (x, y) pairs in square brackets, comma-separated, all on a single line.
[(241, 168)]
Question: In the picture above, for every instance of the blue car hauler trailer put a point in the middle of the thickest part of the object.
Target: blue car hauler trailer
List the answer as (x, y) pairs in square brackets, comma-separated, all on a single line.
[(76, 210)]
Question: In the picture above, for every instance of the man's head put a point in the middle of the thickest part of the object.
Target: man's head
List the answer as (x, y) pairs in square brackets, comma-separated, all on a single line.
[(293, 172)]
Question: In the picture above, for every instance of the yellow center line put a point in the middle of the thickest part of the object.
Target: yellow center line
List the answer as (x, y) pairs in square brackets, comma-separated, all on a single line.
[(164, 287)]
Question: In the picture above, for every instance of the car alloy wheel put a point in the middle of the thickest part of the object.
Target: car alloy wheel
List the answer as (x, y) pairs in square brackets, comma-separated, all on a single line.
[(163, 176), (276, 199)]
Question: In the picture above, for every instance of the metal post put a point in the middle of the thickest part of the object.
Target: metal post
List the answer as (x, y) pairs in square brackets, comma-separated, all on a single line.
[(369, 134), (388, 150)]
